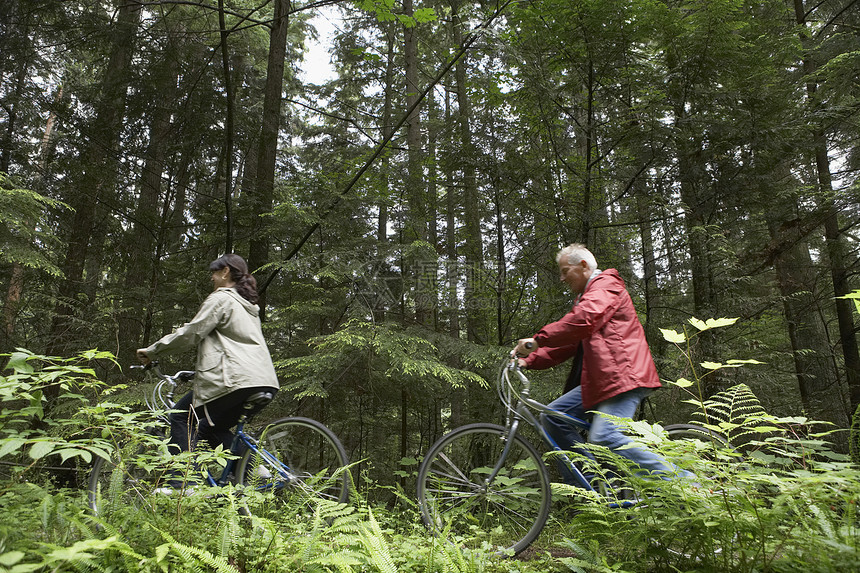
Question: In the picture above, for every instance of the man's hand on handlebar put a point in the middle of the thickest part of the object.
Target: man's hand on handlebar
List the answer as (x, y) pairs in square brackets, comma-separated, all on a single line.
[(525, 346)]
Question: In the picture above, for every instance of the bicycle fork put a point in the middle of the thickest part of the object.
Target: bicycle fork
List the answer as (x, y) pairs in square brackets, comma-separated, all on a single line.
[(509, 440)]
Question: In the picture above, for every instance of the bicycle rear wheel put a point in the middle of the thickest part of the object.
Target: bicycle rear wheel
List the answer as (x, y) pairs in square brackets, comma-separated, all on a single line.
[(456, 501), (694, 432), (311, 456)]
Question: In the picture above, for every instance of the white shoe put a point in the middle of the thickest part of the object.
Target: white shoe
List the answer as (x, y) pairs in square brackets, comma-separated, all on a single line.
[(262, 472), (191, 490)]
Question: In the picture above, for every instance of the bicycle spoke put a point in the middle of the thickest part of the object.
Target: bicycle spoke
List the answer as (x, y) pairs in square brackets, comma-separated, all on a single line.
[(457, 496), (308, 453)]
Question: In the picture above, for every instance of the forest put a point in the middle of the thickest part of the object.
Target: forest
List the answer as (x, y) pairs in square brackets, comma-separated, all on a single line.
[(402, 218)]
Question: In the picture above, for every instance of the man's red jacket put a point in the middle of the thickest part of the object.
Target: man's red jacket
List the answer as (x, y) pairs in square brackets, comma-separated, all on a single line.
[(616, 357)]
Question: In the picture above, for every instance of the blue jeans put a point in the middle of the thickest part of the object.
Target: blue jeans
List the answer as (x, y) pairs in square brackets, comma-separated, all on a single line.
[(604, 432)]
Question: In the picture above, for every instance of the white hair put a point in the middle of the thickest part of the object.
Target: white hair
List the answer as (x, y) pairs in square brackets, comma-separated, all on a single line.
[(574, 253)]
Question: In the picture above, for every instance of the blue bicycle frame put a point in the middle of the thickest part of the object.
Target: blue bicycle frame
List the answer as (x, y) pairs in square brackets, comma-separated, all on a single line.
[(521, 410)]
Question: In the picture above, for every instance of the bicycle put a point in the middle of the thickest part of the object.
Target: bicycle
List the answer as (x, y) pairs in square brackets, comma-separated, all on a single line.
[(487, 483), (291, 456)]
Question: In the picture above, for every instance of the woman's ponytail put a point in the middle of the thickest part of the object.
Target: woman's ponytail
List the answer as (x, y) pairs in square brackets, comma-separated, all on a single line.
[(246, 284)]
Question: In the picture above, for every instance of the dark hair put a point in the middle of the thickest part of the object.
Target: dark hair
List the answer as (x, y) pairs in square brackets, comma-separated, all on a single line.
[(246, 284)]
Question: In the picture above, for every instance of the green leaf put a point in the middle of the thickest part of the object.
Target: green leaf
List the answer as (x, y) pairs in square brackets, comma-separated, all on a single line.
[(18, 362), (67, 453), (41, 449), (712, 323), (673, 336), (711, 365), (682, 383), (11, 558), (10, 445)]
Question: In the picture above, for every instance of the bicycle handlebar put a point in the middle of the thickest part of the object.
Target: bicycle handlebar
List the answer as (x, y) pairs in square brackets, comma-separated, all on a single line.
[(172, 381)]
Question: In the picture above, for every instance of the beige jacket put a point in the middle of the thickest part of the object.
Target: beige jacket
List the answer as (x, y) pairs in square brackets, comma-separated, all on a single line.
[(231, 351)]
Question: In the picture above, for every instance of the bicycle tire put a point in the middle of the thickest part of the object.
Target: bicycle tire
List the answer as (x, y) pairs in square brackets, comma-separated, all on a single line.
[(313, 454), (121, 482), (508, 514), (695, 432)]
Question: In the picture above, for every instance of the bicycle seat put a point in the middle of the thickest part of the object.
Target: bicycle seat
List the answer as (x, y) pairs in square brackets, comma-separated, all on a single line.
[(258, 400)]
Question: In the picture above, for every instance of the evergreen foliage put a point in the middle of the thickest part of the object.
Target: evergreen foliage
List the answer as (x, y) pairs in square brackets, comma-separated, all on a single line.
[(705, 149), (25, 239)]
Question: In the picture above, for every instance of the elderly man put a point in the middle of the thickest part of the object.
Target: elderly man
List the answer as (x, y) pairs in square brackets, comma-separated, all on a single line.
[(612, 368)]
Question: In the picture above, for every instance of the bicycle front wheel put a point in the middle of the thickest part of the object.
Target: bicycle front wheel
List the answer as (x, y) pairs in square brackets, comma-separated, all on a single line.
[(300, 459), (125, 481), (461, 497)]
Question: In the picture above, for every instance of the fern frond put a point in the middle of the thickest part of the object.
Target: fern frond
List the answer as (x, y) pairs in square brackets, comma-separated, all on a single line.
[(193, 557), (734, 412), (229, 532), (373, 540), (343, 561)]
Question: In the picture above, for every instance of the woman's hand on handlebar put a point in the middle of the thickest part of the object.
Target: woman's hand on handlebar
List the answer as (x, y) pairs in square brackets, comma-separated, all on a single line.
[(143, 357)]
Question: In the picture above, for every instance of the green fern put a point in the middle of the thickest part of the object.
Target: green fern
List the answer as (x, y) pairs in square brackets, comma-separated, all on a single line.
[(230, 531), (733, 412), (373, 540), (194, 557), (343, 561)]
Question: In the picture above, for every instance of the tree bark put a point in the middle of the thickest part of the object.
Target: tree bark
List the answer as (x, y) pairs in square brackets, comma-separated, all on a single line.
[(96, 183), (228, 131), (416, 226), (796, 277), (473, 242), (147, 219), (833, 236), (264, 196)]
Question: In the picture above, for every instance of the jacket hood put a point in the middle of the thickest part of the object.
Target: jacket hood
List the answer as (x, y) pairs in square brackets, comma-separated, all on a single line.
[(249, 307)]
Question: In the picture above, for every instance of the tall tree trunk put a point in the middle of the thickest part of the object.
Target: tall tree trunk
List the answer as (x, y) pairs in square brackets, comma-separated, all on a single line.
[(452, 270), (147, 219), (416, 226), (387, 125), (653, 297), (835, 241), (263, 200), (228, 130), (100, 169), (471, 204), (16, 274), (796, 276), (587, 144)]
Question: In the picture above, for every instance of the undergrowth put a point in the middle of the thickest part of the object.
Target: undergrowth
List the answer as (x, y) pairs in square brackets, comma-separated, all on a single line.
[(776, 498)]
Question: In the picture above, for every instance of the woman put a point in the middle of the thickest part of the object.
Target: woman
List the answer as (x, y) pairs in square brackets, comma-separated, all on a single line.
[(233, 361)]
